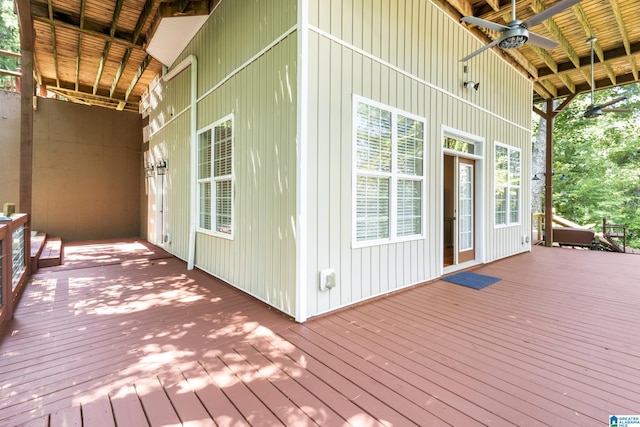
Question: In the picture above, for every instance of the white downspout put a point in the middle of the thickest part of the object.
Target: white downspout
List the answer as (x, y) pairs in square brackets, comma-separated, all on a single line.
[(302, 160), (192, 61)]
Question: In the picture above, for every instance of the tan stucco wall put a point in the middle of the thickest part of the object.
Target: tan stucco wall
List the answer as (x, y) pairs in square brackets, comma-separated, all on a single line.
[(87, 171), (9, 148)]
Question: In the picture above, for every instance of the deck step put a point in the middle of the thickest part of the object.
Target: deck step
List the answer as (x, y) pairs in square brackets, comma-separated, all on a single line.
[(52, 253), (37, 245)]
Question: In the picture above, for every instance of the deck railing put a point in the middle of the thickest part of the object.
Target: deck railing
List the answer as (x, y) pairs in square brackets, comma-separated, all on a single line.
[(15, 255)]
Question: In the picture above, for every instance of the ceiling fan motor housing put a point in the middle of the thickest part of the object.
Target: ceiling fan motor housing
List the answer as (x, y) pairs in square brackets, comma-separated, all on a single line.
[(515, 36)]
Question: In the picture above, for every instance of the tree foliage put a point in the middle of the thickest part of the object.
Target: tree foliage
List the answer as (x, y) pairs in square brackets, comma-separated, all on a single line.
[(601, 158), (9, 38)]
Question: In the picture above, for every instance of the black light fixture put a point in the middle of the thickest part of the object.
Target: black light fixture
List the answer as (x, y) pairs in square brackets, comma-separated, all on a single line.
[(537, 178), (471, 85), (161, 167)]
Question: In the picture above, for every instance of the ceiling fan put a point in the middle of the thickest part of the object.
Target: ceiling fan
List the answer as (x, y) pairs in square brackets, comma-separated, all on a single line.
[(594, 110), (516, 33)]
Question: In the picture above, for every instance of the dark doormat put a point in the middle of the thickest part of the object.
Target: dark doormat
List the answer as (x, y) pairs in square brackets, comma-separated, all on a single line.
[(471, 280)]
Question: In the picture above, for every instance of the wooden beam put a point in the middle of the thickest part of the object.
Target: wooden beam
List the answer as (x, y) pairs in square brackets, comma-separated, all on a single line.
[(550, 24), (144, 15), (78, 59), (123, 64), (599, 84), (463, 7), (486, 11), (27, 44), (79, 54), (545, 56), (94, 28), (548, 176), (134, 81), (621, 26), (169, 9), (541, 90), (634, 68), (585, 61), (116, 15), (566, 80), (549, 88), (588, 29), (88, 99), (103, 60), (565, 103), (610, 73), (54, 46), (495, 4)]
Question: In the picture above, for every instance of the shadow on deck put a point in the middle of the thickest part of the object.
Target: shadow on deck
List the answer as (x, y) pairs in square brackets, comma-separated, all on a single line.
[(122, 334)]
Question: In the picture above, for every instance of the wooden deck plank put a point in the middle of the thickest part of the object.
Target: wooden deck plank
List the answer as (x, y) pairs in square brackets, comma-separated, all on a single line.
[(271, 364), (474, 356), (98, 413), (156, 403), (555, 341), (321, 388), (68, 417), (277, 402), (218, 405), (186, 403), (250, 406), (339, 379), (127, 408)]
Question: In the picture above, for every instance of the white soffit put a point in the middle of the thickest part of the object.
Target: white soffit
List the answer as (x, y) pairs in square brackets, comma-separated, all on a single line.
[(172, 35)]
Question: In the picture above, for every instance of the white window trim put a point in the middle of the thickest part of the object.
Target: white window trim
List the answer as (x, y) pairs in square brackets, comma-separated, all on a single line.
[(509, 186), (213, 180), (393, 175)]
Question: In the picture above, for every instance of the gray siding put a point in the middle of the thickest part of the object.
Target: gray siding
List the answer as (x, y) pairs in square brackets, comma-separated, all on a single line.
[(404, 54)]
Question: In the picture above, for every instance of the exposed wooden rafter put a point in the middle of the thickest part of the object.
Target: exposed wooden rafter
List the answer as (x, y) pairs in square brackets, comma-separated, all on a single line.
[(537, 6), (90, 27), (144, 15), (79, 57), (615, 6), (103, 60), (127, 54), (585, 61), (54, 43), (135, 79)]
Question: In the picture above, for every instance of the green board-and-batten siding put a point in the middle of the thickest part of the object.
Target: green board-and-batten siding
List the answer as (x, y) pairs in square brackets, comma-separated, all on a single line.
[(400, 53), (246, 67), (404, 54)]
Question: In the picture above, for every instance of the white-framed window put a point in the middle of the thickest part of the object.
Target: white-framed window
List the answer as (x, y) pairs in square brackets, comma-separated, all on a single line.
[(507, 185), (389, 183), (215, 178)]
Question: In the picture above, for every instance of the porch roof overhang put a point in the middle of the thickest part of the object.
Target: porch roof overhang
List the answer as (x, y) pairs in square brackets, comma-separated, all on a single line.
[(96, 52)]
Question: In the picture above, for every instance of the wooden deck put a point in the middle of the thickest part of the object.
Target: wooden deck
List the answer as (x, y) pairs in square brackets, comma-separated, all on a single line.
[(123, 335)]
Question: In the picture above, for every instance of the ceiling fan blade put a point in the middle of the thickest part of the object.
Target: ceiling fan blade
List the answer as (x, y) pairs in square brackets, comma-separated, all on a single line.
[(482, 49), (483, 23), (548, 13), (616, 110), (613, 101), (543, 42)]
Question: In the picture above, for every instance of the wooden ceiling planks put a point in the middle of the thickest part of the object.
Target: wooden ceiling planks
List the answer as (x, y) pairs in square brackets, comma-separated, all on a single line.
[(81, 31), (566, 68)]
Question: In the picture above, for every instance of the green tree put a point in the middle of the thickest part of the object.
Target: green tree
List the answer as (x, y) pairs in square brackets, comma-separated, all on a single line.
[(9, 40), (601, 158)]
